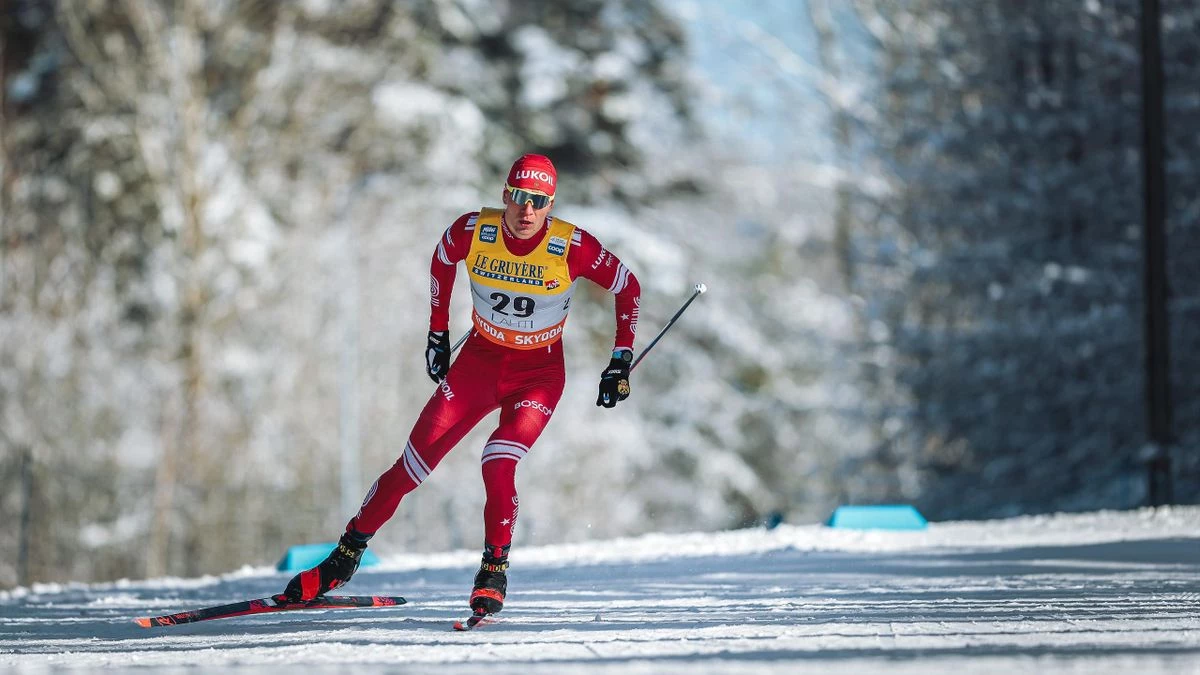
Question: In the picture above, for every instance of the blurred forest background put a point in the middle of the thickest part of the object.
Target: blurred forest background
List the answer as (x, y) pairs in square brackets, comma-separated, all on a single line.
[(920, 222)]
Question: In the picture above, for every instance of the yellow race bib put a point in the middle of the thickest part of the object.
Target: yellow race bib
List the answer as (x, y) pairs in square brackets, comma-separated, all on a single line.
[(519, 301)]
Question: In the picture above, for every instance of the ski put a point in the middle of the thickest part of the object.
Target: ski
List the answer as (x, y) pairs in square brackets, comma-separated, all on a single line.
[(275, 603), (478, 618)]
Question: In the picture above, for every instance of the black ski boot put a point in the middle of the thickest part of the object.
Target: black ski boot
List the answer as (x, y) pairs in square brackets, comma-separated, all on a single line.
[(333, 571), (491, 582)]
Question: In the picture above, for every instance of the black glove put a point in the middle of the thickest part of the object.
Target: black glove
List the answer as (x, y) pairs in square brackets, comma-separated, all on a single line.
[(614, 381), (437, 355)]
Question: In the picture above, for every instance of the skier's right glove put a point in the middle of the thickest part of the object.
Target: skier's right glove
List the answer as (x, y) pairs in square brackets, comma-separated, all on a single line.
[(437, 355)]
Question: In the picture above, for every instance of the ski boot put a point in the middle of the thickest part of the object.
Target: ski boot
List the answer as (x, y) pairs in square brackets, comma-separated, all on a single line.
[(491, 582), (332, 572)]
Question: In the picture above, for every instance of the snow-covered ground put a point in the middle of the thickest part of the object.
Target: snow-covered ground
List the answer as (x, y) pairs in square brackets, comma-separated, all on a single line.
[(1114, 592)]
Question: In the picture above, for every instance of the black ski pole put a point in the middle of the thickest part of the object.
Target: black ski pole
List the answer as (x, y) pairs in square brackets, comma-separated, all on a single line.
[(460, 341), (697, 290)]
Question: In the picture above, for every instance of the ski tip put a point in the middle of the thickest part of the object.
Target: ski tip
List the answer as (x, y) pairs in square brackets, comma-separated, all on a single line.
[(387, 600), (144, 622)]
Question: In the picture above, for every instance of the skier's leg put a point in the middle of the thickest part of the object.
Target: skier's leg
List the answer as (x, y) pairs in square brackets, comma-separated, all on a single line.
[(466, 395), (522, 420), (523, 416)]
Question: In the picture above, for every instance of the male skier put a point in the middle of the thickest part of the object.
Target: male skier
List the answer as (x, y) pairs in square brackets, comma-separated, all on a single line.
[(522, 264)]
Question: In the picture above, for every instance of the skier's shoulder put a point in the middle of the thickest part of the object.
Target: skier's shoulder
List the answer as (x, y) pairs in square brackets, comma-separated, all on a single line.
[(578, 234), (465, 220), (456, 240), (585, 251)]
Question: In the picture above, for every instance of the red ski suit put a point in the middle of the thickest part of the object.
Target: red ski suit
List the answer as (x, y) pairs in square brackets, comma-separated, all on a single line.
[(524, 383)]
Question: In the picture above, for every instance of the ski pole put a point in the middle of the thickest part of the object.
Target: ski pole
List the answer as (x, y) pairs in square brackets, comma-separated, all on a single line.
[(697, 290), (460, 341)]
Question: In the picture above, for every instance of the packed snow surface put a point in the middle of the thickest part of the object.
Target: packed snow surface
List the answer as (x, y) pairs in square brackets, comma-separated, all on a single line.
[(1114, 592)]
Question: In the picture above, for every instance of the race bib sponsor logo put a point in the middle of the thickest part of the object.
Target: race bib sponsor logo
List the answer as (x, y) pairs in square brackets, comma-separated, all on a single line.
[(557, 246), (510, 322), (508, 270), (489, 328), (535, 405), (552, 284), (538, 338), (488, 233)]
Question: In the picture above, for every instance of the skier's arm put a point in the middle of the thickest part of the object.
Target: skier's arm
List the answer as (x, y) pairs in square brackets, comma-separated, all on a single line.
[(592, 261), (452, 247), (589, 259)]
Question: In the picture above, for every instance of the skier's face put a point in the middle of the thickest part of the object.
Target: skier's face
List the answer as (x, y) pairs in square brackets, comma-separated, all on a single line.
[(523, 220)]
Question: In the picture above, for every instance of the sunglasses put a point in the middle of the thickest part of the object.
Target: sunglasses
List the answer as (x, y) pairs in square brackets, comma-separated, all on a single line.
[(519, 196)]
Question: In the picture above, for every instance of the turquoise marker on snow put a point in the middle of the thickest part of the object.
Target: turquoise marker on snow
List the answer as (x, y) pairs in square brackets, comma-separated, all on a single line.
[(882, 517), (308, 555)]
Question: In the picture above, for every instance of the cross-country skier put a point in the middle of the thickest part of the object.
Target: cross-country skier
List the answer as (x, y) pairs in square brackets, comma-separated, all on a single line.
[(522, 265)]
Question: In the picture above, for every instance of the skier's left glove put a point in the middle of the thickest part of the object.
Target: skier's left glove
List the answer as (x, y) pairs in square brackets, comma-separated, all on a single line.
[(437, 355), (614, 381)]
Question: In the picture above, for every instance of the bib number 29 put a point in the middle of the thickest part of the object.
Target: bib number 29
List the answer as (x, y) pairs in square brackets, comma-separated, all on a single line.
[(522, 306)]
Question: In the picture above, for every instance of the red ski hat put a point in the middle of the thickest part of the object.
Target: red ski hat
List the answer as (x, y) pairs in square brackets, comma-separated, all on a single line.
[(533, 172)]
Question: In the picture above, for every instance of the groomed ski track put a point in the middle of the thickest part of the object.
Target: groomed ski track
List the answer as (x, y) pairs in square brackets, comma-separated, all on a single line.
[(1111, 592)]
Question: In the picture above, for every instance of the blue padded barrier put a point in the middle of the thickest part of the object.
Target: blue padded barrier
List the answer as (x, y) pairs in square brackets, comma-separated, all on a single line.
[(881, 517), (309, 555)]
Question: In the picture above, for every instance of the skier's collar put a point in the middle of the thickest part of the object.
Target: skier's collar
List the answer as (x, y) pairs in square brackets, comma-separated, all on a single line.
[(509, 233)]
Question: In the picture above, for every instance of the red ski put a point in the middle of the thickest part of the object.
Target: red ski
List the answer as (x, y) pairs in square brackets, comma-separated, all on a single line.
[(275, 603)]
